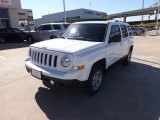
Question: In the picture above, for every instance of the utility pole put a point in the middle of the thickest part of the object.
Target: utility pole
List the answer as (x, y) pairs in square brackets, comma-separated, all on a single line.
[(90, 5), (158, 13), (64, 6), (142, 13)]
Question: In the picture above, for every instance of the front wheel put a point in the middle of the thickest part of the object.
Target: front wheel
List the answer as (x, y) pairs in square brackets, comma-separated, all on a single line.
[(94, 82)]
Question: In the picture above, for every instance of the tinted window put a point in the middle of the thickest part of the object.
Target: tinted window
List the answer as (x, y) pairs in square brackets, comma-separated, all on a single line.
[(124, 31), (115, 34), (86, 32), (16, 30), (3, 13), (7, 30), (129, 31), (57, 27), (66, 25), (44, 27)]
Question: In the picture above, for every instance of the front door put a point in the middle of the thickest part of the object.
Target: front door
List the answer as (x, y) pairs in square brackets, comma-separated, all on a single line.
[(43, 32), (114, 44)]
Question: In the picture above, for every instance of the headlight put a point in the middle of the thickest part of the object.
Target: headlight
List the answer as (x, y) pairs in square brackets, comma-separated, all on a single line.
[(66, 61)]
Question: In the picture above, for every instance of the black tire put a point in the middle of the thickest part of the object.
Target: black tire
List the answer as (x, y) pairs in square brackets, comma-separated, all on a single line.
[(30, 39), (135, 34), (92, 86), (53, 37), (127, 59), (2, 40)]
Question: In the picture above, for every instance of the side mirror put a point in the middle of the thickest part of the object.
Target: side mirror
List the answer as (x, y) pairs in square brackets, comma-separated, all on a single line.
[(60, 34)]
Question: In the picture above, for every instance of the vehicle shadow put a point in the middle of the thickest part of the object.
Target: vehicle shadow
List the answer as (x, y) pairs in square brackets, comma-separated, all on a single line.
[(8, 46), (128, 93)]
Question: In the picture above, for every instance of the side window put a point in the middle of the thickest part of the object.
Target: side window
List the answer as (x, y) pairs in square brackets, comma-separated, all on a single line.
[(7, 30), (129, 31), (44, 27), (57, 27), (40, 28), (47, 27), (16, 30), (66, 25), (115, 34), (124, 31)]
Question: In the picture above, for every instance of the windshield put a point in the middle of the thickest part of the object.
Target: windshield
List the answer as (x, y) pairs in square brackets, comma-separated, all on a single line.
[(86, 32)]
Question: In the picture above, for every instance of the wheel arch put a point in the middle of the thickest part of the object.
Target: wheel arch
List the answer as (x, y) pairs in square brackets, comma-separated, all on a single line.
[(100, 62), (131, 48)]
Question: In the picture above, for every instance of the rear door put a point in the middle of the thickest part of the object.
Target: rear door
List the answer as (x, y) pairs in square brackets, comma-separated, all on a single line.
[(114, 44), (124, 41), (58, 29)]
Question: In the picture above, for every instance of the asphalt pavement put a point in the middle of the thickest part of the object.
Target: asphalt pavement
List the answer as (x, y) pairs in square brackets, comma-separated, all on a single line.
[(128, 92)]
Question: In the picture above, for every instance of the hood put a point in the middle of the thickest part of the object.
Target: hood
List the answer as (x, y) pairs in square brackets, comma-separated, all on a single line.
[(67, 45)]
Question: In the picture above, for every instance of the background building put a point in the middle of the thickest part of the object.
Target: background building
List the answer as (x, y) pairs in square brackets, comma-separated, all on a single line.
[(11, 14), (72, 14)]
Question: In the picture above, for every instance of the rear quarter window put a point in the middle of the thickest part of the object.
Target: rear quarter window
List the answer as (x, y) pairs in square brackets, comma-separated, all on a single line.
[(129, 30), (66, 25)]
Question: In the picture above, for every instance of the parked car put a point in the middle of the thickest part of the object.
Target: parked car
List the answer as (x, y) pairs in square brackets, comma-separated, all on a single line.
[(9, 35), (143, 29), (136, 31), (47, 31), (82, 54)]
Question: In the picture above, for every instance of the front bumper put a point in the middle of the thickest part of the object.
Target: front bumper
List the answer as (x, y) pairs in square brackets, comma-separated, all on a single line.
[(52, 74)]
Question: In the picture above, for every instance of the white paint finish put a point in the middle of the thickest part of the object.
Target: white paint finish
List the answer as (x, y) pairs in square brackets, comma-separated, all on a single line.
[(67, 45), (82, 53)]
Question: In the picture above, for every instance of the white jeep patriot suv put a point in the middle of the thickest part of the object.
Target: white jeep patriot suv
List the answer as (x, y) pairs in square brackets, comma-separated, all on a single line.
[(82, 53)]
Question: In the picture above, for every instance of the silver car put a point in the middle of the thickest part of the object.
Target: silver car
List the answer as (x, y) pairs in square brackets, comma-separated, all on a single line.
[(47, 31), (136, 31)]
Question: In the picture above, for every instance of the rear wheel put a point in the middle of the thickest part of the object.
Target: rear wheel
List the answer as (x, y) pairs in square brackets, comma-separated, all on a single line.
[(94, 82), (127, 60), (135, 34), (2, 40), (30, 40)]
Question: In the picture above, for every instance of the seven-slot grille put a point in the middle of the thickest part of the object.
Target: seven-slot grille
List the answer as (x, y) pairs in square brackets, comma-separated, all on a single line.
[(43, 57)]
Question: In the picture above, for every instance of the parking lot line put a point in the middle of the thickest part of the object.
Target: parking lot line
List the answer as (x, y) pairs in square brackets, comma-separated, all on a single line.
[(146, 61), (3, 58)]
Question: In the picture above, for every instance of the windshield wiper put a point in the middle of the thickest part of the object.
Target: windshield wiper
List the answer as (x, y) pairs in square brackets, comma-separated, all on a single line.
[(77, 38)]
